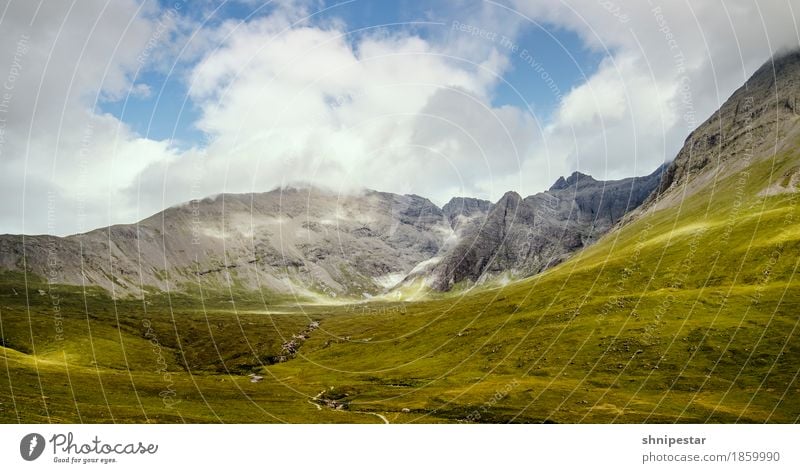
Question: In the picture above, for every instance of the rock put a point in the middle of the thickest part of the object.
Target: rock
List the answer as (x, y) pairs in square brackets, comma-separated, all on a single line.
[(460, 210), (345, 243), (521, 237), (749, 124)]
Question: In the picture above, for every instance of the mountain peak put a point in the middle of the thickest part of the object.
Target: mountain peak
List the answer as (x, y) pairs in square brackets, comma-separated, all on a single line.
[(561, 183), (778, 65), (510, 197), (460, 208), (758, 114), (572, 180)]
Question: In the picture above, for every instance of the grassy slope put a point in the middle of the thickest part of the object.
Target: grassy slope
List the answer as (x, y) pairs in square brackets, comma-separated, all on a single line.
[(688, 314)]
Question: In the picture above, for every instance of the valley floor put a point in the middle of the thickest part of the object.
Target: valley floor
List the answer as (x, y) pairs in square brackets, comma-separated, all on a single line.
[(439, 361)]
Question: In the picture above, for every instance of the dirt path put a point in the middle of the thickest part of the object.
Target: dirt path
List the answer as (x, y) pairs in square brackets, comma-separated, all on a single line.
[(313, 400), (383, 418)]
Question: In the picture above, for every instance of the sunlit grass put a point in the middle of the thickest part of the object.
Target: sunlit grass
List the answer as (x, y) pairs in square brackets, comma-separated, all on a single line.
[(687, 314)]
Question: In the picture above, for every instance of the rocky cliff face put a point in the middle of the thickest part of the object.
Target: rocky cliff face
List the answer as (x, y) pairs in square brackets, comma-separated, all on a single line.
[(289, 241), (309, 241), (521, 237), (461, 210), (758, 120)]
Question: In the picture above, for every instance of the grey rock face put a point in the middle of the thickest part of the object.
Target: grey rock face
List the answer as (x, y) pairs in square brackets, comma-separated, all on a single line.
[(309, 241), (290, 240), (526, 236), (759, 119), (573, 180), (459, 210)]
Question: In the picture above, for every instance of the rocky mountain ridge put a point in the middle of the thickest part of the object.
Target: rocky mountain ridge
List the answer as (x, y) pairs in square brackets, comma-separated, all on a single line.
[(312, 242), (523, 236), (759, 119)]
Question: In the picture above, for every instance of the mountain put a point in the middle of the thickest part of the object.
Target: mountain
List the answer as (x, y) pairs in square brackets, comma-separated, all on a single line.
[(460, 210), (525, 236), (310, 242), (292, 241), (756, 121)]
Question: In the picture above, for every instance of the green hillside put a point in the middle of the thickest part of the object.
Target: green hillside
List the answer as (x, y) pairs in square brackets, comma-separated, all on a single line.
[(686, 314)]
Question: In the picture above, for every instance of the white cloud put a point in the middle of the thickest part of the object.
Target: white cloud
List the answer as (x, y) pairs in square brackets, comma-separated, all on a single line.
[(284, 98), (141, 91), (387, 111), (669, 65), (63, 166)]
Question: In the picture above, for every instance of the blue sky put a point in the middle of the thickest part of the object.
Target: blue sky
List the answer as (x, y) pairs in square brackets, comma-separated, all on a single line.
[(561, 53), (167, 114)]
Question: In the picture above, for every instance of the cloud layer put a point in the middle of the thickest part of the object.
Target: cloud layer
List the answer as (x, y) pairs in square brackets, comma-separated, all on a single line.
[(288, 97)]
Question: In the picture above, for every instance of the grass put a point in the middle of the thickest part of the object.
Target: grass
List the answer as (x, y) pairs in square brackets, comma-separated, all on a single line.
[(687, 314)]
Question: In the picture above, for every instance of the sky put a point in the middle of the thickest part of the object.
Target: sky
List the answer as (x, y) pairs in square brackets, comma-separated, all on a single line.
[(111, 110)]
